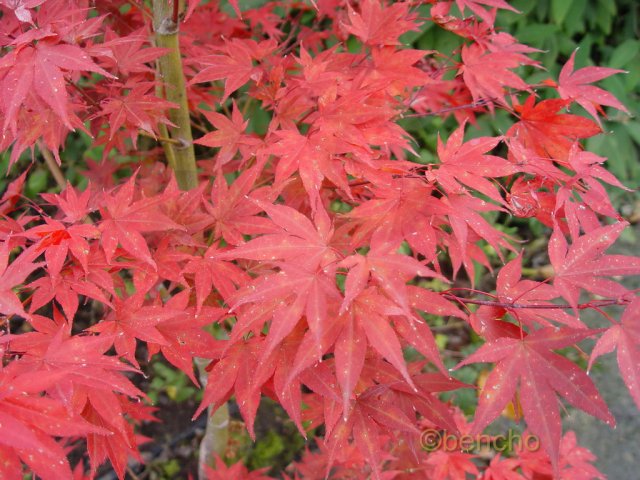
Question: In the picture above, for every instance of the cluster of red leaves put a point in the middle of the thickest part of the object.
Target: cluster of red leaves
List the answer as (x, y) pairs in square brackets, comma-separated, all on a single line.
[(260, 243)]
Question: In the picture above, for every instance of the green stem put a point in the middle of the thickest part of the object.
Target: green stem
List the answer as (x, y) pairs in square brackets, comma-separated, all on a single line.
[(216, 435), (182, 154), (182, 160)]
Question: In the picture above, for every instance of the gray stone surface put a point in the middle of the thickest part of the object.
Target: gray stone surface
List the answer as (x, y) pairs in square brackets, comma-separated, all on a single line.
[(618, 450)]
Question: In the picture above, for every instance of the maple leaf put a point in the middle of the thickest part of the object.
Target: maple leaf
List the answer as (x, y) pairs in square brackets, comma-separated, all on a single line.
[(237, 471), (235, 65), (234, 213), (586, 184), (298, 239), (397, 68), (282, 368), (625, 337), (21, 8), (309, 157), (283, 298), (548, 133), (466, 163), (56, 240), (573, 85), (379, 24), (357, 120), (105, 409), (234, 373), (451, 465), (389, 270), (423, 399), (487, 16), (403, 209), (74, 207), (65, 288), (228, 135), (487, 73), (577, 461), (581, 265), (127, 54), (531, 363), (124, 221), (574, 463), (511, 289), (184, 335), (366, 324), (209, 271), (466, 221), (29, 421), (12, 275), (502, 469), (12, 194), (39, 70), (66, 363), (130, 320), (138, 109)]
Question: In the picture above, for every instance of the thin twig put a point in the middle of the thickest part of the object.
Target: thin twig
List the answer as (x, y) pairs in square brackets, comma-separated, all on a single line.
[(132, 473), (535, 306), (160, 138), (53, 166)]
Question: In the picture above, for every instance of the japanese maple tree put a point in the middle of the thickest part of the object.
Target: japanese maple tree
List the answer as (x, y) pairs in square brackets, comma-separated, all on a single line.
[(259, 206)]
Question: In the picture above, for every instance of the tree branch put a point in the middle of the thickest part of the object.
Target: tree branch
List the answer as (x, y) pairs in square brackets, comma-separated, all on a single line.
[(172, 75)]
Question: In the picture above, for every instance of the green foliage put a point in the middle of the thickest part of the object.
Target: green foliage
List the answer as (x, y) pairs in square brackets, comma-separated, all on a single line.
[(603, 31), (278, 440), (173, 383)]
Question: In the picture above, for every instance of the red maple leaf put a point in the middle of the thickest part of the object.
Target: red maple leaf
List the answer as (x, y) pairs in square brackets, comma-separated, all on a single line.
[(234, 213), (625, 337), (234, 373), (573, 85), (379, 24), (548, 133), (124, 221), (298, 239), (127, 54), (451, 465), (12, 275), (56, 240), (486, 73), (511, 289), (73, 206), (466, 163), (40, 70), (235, 64), (581, 265), (236, 471), (531, 363), (229, 135), (72, 362), (487, 15), (137, 110), (21, 8), (129, 320)]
